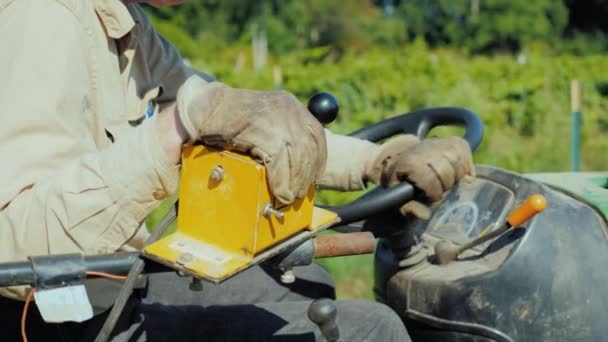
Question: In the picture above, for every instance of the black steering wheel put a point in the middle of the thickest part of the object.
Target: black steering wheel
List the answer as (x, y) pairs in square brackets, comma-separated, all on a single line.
[(325, 108)]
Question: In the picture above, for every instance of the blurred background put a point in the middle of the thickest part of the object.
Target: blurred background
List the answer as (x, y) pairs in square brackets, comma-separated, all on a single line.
[(511, 61)]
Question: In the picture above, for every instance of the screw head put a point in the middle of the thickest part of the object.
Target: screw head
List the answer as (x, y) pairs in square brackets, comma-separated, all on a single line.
[(185, 258), (288, 277), (217, 173)]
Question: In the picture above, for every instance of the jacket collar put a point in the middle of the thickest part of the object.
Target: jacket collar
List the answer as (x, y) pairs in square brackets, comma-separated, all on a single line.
[(115, 17)]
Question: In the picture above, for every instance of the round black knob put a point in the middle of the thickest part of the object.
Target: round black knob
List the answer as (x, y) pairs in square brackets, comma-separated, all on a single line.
[(324, 107), (323, 313)]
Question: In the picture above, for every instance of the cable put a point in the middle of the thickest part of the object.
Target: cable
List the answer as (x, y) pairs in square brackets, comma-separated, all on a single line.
[(30, 295), (28, 299), (105, 275)]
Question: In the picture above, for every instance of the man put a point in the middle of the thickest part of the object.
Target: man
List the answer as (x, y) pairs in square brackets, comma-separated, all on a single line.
[(83, 166)]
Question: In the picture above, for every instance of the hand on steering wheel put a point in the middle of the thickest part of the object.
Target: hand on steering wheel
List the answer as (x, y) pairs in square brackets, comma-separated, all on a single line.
[(444, 161), (433, 166)]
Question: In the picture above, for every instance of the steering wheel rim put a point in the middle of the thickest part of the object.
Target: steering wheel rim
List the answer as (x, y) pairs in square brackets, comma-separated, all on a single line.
[(418, 122)]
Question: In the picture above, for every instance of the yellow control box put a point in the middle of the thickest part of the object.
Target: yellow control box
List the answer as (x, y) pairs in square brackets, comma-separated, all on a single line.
[(227, 218)]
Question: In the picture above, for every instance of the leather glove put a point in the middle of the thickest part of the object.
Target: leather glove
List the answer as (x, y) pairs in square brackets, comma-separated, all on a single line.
[(272, 126), (433, 165), (386, 156)]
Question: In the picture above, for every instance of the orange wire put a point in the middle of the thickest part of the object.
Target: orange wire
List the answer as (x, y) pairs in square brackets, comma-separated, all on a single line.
[(106, 275), (30, 295), (28, 299)]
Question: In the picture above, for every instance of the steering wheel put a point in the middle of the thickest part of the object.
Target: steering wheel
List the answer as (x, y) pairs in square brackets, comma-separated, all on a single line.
[(419, 122)]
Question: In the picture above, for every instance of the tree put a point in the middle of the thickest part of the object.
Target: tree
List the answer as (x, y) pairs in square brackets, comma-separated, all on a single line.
[(483, 26), (588, 16)]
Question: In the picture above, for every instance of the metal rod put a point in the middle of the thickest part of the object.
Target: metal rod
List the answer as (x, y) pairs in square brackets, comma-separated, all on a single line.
[(20, 273), (134, 273), (162, 226), (121, 301), (333, 245), (484, 238)]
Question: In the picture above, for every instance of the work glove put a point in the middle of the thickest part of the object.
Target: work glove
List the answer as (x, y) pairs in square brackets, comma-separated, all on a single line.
[(272, 126), (432, 165)]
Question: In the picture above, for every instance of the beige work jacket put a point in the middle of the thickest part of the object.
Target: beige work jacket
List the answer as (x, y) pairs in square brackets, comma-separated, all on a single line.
[(81, 164)]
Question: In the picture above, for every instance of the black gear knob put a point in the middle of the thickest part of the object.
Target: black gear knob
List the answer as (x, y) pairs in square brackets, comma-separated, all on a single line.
[(323, 313), (324, 107)]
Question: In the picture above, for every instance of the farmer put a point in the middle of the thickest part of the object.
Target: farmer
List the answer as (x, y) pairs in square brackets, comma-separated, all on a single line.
[(96, 107)]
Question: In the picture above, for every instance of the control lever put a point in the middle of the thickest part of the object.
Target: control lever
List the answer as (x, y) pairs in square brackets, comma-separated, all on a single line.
[(324, 107), (323, 313), (446, 251)]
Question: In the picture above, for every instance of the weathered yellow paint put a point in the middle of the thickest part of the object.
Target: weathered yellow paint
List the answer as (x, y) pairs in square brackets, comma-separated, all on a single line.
[(221, 226)]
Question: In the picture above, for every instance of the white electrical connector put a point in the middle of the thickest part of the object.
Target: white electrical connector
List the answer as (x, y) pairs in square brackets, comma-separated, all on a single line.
[(64, 304)]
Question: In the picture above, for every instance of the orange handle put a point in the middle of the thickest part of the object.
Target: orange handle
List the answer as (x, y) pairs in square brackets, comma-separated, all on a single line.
[(532, 206)]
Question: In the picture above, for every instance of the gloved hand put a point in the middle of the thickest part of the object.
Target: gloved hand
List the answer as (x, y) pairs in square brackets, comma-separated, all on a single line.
[(272, 126), (433, 165)]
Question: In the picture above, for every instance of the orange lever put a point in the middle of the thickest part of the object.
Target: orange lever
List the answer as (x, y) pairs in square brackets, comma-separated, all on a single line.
[(532, 206)]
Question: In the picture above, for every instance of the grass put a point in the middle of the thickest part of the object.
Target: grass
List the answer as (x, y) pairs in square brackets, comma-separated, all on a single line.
[(353, 275)]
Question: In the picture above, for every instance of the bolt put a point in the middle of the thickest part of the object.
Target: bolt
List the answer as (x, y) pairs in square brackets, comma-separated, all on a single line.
[(288, 277), (184, 258), (269, 210), (217, 174), (196, 284)]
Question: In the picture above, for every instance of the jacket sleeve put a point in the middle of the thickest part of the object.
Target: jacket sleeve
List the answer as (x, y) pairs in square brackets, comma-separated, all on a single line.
[(347, 160), (60, 191)]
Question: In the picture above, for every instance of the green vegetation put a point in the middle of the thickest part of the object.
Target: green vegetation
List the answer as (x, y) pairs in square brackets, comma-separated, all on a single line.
[(524, 104), (474, 26), (512, 64)]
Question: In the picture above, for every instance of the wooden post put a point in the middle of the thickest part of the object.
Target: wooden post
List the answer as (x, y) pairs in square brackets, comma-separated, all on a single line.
[(575, 105), (277, 76), (259, 44), (474, 7)]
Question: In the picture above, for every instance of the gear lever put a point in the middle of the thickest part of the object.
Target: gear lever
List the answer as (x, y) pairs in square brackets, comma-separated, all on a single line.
[(323, 312), (446, 251), (324, 107)]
